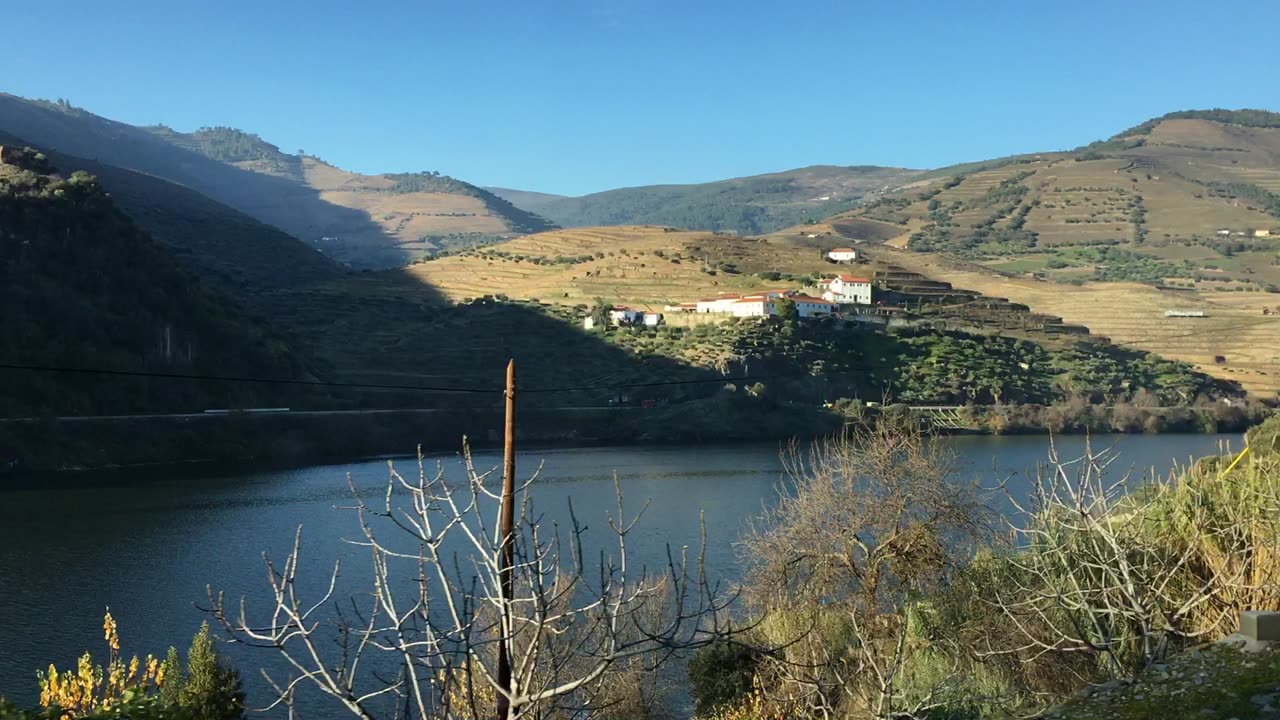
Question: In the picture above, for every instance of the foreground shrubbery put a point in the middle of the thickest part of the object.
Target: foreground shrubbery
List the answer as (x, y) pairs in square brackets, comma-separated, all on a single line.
[(867, 605), (877, 587), (204, 688)]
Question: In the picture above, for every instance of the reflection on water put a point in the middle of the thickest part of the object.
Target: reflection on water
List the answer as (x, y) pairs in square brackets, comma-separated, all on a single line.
[(147, 543)]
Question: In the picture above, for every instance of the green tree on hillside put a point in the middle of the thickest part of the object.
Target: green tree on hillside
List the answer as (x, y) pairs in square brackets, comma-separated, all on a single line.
[(600, 313), (787, 310)]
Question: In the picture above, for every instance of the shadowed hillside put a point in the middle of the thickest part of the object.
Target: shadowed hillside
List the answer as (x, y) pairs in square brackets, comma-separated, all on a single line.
[(217, 243), (83, 286)]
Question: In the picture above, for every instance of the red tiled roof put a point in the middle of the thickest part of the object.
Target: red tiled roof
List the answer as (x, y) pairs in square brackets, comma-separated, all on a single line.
[(843, 250), (850, 278), (812, 300)]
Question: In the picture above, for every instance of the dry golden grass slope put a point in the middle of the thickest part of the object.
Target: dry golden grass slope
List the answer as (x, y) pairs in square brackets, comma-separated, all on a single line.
[(388, 226), (642, 266)]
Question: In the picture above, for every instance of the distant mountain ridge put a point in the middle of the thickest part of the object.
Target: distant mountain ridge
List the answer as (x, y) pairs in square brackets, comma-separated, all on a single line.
[(354, 218), (423, 211), (1191, 198), (752, 205)]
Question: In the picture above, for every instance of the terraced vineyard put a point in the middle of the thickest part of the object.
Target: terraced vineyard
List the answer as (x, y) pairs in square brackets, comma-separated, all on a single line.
[(1181, 201)]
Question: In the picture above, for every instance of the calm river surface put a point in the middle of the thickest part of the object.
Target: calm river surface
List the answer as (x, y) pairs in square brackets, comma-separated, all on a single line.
[(147, 543)]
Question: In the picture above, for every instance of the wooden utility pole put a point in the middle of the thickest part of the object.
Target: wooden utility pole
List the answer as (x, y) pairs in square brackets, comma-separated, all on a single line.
[(506, 555)]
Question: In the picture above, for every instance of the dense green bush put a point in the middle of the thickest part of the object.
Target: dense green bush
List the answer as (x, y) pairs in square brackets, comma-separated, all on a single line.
[(721, 675)]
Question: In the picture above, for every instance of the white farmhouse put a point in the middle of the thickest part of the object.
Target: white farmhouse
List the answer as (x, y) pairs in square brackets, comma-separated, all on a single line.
[(847, 289), (718, 304), (754, 306), (807, 306), (767, 305), (843, 254), (625, 316), (620, 315)]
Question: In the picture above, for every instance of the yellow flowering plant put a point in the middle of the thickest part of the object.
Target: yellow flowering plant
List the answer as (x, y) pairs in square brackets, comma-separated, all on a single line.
[(91, 688)]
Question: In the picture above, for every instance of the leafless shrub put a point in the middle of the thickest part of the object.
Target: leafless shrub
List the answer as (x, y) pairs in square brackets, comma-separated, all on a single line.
[(871, 522), (578, 632), (1125, 571)]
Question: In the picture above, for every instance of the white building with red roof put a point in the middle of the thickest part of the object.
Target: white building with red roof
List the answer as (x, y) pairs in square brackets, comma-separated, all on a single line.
[(843, 254), (767, 305), (808, 306), (848, 290)]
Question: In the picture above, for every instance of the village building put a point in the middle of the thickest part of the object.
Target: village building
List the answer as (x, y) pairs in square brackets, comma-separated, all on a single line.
[(848, 290), (767, 306), (1261, 233), (725, 303), (843, 254), (682, 308), (718, 304), (754, 306), (621, 315), (807, 306)]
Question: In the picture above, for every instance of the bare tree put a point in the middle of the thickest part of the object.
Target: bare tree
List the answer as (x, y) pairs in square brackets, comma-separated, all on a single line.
[(437, 614), (1124, 569), (869, 523)]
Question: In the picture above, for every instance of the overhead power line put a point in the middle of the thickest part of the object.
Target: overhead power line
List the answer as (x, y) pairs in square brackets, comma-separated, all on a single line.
[(240, 379), (365, 386)]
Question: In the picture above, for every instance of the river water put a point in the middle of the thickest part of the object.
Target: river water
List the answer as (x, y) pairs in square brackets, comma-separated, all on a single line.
[(147, 543)]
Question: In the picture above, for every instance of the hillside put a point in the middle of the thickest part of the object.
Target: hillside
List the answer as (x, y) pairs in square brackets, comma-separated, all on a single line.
[(527, 199), (525, 297), (748, 206), (1184, 205), (364, 221), (219, 244), (1187, 200), (419, 212), (83, 286)]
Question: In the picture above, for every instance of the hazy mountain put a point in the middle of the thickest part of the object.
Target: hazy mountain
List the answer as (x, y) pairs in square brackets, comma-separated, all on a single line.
[(527, 199), (750, 205)]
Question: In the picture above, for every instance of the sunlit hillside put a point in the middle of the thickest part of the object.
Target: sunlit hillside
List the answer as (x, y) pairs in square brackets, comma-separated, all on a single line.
[(644, 266), (1189, 200)]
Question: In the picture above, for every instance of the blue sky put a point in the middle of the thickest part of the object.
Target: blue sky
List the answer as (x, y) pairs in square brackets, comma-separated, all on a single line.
[(577, 96)]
